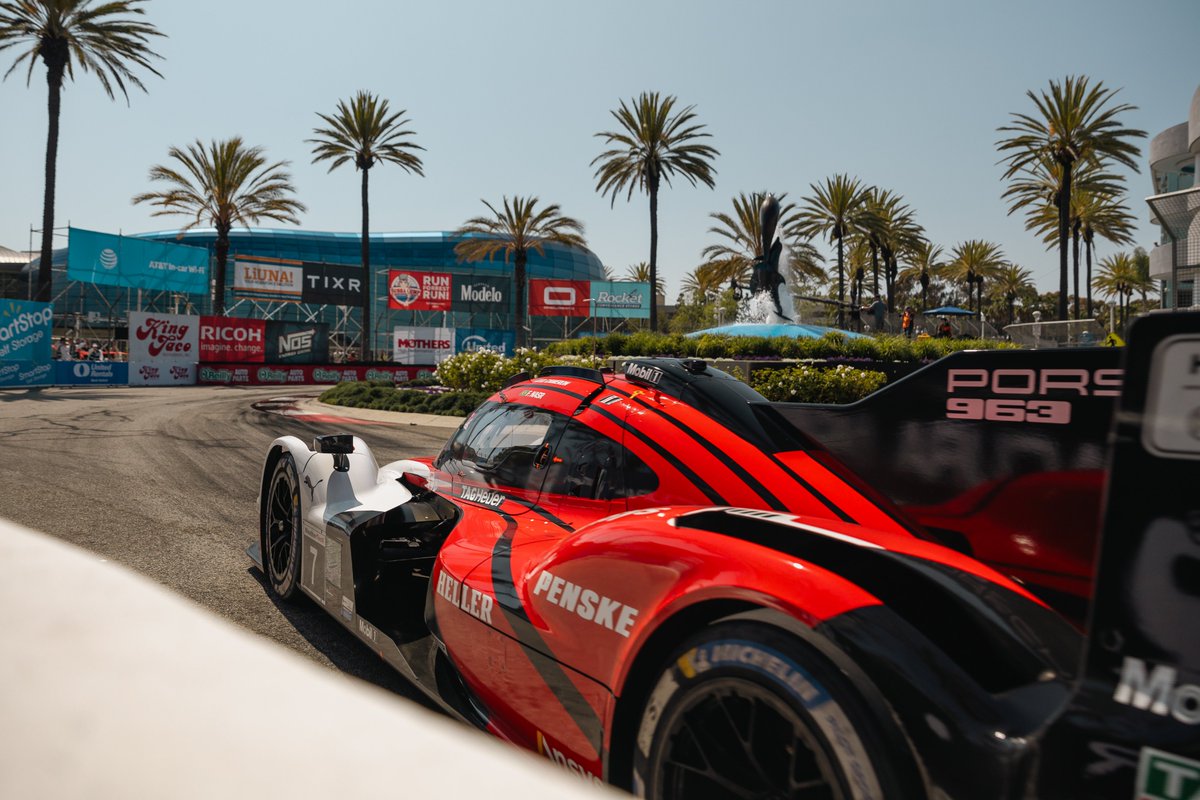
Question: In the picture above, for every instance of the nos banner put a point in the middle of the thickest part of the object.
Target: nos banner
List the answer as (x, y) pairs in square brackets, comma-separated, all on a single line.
[(475, 294), (139, 263), (558, 298), (163, 349), (297, 343), (232, 339), (422, 345), (409, 290)]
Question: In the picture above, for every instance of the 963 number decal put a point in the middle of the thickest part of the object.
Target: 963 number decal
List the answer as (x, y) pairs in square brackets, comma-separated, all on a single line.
[(1048, 412)]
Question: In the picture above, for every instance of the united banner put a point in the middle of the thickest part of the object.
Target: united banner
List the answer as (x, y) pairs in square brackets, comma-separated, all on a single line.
[(332, 284), (475, 294), (624, 299), (469, 340), (297, 343), (139, 263), (163, 349), (232, 339), (422, 345), (559, 298), (268, 280), (410, 290)]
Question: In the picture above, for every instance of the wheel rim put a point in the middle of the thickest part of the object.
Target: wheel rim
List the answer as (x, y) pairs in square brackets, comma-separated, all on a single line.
[(281, 521), (735, 739)]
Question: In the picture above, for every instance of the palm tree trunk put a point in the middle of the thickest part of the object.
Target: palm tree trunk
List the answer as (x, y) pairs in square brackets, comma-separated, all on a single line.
[(519, 307), (55, 64), (1075, 261), (367, 337), (841, 315), (1087, 243), (653, 185), (874, 270), (1064, 233), (218, 303)]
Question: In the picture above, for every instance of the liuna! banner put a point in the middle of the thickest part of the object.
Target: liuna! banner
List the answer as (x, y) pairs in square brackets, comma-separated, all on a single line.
[(164, 349)]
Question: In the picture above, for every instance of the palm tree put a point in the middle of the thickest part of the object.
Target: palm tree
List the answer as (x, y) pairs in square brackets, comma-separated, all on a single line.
[(1073, 125), (894, 229), (640, 272), (1118, 277), (224, 183), (924, 266), (834, 209), (1010, 282), (367, 132), (740, 234), (515, 230), (1106, 217), (102, 39), (655, 142), (972, 262)]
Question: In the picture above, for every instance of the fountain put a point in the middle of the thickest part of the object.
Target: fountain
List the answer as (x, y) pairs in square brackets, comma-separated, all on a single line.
[(762, 309)]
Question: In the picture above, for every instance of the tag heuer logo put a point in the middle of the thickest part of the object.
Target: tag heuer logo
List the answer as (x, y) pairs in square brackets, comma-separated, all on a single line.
[(1163, 776), (485, 497)]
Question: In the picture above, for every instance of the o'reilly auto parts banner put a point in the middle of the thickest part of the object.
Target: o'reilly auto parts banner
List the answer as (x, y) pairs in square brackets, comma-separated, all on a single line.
[(25, 331), (476, 294), (332, 284), (268, 279), (470, 340), (139, 263), (559, 298), (410, 290), (297, 343), (625, 299), (422, 345), (163, 349), (232, 339), (264, 375)]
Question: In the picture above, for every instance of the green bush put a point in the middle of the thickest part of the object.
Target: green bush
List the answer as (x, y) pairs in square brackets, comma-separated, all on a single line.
[(805, 384), (384, 397)]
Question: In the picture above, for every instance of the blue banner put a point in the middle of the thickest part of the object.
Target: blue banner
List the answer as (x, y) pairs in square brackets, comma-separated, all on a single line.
[(91, 373), (468, 340), (25, 331), (138, 263), (25, 373), (625, 299)]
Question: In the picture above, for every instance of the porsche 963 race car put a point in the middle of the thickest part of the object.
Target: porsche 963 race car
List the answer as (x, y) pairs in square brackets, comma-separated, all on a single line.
[(660, 580)]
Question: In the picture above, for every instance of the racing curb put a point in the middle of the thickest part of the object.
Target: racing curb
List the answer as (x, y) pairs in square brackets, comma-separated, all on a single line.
[(312, 405)]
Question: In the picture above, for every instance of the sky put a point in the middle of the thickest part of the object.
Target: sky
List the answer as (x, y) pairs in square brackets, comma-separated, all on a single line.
[(507, 97)]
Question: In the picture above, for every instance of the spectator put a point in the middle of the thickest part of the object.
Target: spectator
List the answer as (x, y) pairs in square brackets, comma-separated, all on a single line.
[(943, 330), (906, 321), (878, 310)]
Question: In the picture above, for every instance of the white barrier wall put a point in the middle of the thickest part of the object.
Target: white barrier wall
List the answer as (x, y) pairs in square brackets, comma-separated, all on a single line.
[(111, 686), (164, 349)]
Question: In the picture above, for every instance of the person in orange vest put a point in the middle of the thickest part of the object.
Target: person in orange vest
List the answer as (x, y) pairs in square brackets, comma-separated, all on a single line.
[(906, 321)]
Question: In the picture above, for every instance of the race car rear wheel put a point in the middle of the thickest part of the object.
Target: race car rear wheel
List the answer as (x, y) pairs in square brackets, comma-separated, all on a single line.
[(745, 711), (281, 533)]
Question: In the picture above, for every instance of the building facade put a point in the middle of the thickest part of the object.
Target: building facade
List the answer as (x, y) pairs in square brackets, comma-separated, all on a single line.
[(1175, 208)]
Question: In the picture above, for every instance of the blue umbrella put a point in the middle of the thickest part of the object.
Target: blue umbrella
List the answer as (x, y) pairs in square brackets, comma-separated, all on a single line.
[(769, 330), (950, 311)]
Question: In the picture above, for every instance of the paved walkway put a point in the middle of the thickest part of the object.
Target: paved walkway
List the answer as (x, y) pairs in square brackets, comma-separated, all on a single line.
[(312, 405)]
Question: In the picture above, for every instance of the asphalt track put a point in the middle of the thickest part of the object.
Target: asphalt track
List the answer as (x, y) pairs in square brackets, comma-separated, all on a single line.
[(164, 481)]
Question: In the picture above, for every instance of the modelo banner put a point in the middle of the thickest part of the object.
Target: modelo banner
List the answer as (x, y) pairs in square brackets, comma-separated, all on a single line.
[(268, 280), (474, 294), (297, 343), (422, 345), (470, 340), (261, 375), (410, 290), (163, 349), (559, 298), (138, 263), (332, 284), (625, 299), (91, 373), (232, 339)]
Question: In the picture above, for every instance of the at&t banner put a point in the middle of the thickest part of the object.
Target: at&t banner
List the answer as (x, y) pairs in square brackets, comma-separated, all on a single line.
[(139, 263)]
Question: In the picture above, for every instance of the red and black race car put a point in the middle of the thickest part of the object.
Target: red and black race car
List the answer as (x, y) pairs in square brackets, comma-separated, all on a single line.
[(660, 580)]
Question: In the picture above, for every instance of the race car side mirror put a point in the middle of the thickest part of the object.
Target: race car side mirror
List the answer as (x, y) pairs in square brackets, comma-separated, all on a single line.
[(339, 445)]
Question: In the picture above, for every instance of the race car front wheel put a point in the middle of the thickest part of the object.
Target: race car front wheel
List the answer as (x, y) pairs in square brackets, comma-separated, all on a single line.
[(281, 529), (743, 710)]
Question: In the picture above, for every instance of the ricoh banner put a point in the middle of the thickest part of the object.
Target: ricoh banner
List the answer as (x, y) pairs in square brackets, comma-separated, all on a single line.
[(297, 343), (411, 290), (232, 339), (25, 330), (163, 349), (470, 340), (625, 299), (269, 280), (422, 345), (138, 263)]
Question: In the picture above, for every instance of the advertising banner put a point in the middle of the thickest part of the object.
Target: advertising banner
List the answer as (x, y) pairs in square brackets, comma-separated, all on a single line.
[(25, 331), (625, 299), (422, 345), (163, 349), (469, 340), (332, 284), (268, 280), (138, 263), (482, 294), (232, 339), (559, 298), (297, 343), (249, 375), (409, 290), (14, 374), (91, 373)]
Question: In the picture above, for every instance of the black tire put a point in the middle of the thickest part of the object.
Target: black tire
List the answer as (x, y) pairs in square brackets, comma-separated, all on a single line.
[(744, 710), (282, 528)]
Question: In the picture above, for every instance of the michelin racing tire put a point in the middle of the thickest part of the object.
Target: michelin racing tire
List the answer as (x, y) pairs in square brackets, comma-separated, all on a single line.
[(744, 710), (281, 533)]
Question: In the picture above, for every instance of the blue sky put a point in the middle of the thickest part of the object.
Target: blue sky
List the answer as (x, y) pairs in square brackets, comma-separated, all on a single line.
[(506, 97)]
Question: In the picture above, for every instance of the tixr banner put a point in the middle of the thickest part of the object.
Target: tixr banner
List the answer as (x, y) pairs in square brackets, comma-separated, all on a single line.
[(140, 263), (558, 298), (410, 290), (332, 284)]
